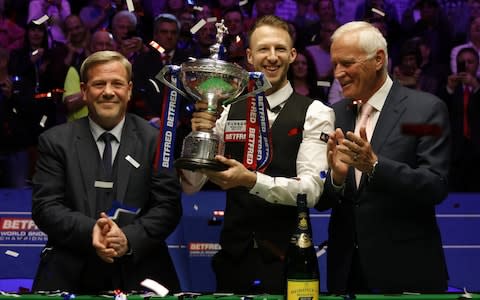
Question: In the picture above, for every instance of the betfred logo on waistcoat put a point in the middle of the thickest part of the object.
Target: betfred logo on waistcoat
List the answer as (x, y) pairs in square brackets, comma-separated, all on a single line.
[(203, 249), (235, 131)]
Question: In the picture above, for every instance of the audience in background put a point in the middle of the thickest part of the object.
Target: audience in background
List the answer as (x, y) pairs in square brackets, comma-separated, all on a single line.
[(235, 41), (409, 71), (75, 106), (11, 34), (56, 10), (320, 52), (124, 30), (462, 95), (473, 42), (97, 14), (439, 28), (301, 75)]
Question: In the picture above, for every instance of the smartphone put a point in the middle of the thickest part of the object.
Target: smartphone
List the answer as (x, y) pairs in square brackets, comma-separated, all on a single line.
[(461, 67)]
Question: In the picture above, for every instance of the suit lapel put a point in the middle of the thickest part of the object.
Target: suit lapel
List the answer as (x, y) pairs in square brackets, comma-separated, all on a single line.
[(127, 147), (389, 117), (87, 151)]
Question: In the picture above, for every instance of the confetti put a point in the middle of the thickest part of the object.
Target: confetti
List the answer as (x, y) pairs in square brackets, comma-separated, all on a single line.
[(43, 121), (198, 8), (378, 12), (466, 295), (40, 20), (130, 6), (197, 26), (155, 85), (323, 83), (155, 286), (322, 248), (35, 52), (212, 19), (157, 46), (218, 213), (195, 207), (243, 2), (12, 253), (238, 39)]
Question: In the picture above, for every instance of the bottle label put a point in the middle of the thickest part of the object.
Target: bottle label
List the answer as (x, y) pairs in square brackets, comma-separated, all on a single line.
[(302, 289), (302, 221), (304, 241)]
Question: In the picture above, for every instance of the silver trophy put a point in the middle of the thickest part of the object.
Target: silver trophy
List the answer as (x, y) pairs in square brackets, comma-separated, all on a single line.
[(217, 83)]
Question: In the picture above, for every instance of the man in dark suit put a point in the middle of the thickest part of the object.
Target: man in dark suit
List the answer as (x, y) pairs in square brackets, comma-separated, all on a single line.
[(383, 235), (148, 93), (80, 176), (147, 99), (462, 95)]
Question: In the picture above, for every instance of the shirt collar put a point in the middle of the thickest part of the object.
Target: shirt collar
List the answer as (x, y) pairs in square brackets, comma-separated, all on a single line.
[(97, 130), (280, 96), (378, 99)]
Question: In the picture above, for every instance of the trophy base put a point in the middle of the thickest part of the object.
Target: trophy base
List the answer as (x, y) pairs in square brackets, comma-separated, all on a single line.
[(193, 164)]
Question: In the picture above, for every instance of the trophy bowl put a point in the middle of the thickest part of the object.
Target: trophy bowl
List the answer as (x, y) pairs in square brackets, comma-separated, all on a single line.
[(216, 83)]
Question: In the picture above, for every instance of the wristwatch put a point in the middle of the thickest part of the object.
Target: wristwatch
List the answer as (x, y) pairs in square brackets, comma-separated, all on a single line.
[(372, 171)]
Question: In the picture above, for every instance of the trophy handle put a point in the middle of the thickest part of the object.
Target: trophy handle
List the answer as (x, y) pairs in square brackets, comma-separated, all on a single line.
[(265, 86), (161, 77)]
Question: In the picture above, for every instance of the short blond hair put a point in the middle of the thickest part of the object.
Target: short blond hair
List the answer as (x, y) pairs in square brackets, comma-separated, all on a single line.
[(102, 57)]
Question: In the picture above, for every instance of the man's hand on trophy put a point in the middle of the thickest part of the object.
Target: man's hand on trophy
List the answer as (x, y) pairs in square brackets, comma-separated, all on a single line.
[(201, 119), (235, 175)]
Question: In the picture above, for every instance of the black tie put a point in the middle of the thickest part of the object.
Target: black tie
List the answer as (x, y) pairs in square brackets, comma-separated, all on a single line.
[(107, 138), (275, 109)]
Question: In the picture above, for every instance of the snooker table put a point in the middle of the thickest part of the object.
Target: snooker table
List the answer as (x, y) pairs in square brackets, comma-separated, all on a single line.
[(445, 296)]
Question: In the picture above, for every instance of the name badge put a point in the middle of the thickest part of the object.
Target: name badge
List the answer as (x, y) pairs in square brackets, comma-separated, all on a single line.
[(103, 184)]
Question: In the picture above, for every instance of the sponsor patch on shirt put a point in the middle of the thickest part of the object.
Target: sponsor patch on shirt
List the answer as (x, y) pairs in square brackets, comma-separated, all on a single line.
[(235, 131)]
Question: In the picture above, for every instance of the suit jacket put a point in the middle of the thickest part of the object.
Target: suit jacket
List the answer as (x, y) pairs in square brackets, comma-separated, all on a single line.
[(391, 216), (64, 206)]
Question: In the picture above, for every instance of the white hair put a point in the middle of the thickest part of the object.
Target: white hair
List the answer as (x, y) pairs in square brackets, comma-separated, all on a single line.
[(369, 38)]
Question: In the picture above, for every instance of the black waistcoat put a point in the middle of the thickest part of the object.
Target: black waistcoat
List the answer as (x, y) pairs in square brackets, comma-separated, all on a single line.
[(248, 217)]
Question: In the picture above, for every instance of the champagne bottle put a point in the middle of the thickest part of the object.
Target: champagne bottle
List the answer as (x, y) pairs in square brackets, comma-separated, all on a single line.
[(302, 275)]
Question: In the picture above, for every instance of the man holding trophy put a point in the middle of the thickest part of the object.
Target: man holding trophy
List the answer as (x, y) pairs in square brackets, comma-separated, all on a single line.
[(260, 213)]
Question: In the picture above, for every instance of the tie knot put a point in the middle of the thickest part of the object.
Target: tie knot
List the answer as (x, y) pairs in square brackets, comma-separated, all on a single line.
[(107, 137), (366, 109)]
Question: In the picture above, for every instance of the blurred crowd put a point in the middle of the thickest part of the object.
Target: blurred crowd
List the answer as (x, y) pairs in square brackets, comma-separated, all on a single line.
[(434, 47)]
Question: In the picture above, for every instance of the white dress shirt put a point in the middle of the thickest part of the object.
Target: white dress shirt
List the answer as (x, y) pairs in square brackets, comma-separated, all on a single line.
[(311, 158), (97, 131)]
